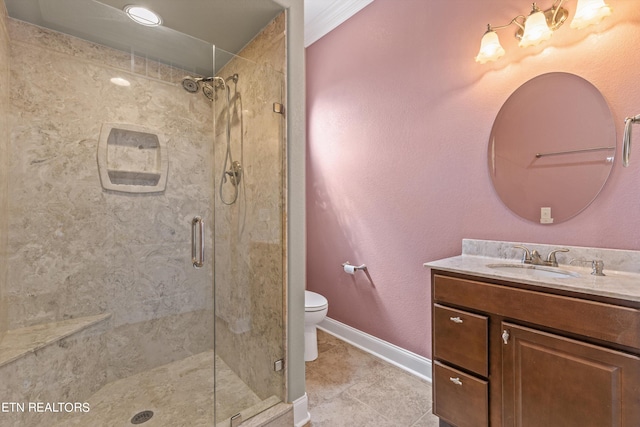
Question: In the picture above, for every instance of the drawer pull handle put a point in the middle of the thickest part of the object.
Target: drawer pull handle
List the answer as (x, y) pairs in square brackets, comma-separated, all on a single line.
[(456, 381), (505, 336), (456, 319)]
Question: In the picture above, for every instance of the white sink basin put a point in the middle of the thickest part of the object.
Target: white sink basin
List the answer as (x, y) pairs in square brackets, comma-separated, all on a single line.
[(534, 270)]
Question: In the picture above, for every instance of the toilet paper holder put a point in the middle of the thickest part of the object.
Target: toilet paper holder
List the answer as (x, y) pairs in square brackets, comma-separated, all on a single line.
[(362, 267)]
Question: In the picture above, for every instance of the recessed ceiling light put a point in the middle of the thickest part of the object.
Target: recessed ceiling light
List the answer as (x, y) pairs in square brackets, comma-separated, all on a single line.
[(142, 15)]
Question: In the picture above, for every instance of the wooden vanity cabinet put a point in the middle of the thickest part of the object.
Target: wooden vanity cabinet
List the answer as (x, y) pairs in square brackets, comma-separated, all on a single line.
[(551, 380), (548, 359)]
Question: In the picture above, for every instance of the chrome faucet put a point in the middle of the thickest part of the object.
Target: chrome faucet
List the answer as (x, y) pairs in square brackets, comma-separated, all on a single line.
[(533, 257), (536, 259)]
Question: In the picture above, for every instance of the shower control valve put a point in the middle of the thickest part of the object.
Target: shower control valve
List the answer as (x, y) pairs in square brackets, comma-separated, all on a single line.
[(235, 173)]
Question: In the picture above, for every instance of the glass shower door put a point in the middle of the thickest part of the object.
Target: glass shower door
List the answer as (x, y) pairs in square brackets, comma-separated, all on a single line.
[(249, 240)]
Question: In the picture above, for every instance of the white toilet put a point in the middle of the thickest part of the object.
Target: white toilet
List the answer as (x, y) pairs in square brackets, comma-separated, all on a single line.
[(315, 310)]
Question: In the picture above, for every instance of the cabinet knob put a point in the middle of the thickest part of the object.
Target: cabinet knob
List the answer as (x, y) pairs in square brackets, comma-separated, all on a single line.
[(456, 380), (456, 319), (505, 336)]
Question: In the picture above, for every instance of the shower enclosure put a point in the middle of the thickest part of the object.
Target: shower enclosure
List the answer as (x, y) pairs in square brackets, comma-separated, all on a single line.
[(142, 255)]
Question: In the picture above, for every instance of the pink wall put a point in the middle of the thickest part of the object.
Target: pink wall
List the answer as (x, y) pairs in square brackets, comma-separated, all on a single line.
[(399, 117)]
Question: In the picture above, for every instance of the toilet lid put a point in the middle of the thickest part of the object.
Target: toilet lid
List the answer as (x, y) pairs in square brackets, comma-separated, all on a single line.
[(313, 301)]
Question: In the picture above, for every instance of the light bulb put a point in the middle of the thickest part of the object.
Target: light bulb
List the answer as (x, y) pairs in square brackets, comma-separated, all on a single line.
[(490, 48), (536, 29), (589, 12)]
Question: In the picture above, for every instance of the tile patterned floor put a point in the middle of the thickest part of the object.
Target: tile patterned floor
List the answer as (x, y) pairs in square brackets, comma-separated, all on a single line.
[(179, 393), (351, 388)]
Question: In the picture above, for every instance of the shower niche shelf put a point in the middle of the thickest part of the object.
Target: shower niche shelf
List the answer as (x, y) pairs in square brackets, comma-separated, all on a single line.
[(132, 159)]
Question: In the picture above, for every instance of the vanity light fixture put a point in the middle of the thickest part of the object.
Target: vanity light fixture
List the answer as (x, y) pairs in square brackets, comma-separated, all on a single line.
[(540, 25), (142, 15)]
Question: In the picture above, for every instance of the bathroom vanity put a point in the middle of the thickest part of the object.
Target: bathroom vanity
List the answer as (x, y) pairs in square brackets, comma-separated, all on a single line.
[(516, 347)]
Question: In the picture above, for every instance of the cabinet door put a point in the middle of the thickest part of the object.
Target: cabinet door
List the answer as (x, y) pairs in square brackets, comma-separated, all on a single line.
[(549, 380)]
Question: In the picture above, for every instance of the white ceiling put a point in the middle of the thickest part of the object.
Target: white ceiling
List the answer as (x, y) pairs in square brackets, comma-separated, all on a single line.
[(189, 29), (231, 24)]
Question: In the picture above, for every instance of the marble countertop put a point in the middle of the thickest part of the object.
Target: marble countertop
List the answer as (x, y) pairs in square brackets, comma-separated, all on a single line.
[(623, 285)]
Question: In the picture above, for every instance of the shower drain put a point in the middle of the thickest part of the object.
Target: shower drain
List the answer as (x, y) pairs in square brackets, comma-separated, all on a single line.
[(141, 417)]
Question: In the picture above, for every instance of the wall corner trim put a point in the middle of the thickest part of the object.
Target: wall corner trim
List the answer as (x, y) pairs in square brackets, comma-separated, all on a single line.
[(404, 359), (330, 18), (301, 414)]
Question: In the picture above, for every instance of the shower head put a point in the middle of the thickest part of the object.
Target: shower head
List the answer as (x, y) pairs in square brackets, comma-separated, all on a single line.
[(209, 84), (209, 91), (191, 84)]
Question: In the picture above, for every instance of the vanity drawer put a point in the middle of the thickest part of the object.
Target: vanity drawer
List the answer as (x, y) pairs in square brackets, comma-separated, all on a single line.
[(458, 398), (460, 338), (602, 321)]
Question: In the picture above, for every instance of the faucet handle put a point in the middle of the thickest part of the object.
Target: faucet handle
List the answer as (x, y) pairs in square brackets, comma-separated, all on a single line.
[(526, 256), (551, 258)]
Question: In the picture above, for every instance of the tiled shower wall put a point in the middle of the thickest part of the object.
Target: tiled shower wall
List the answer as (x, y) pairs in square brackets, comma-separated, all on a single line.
[(76, 249), (4, 162), (249, 234)]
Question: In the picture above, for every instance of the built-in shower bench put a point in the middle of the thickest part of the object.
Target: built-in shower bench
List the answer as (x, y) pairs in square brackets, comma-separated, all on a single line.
[(20, 342)]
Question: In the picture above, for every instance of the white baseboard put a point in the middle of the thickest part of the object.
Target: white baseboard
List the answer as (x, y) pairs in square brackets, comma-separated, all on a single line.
[(404, 359), (301, 414)]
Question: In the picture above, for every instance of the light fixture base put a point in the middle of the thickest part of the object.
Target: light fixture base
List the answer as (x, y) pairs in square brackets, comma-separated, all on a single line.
[(561, 15)]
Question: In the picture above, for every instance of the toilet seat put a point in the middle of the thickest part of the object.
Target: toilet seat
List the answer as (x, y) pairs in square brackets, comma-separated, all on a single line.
[(314, 301)]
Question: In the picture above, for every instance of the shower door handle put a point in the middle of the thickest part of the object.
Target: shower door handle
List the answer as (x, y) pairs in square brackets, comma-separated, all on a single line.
[(197, 230)]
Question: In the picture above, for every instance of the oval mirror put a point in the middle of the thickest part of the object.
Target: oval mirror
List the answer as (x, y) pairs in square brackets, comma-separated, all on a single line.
[(552, 147)]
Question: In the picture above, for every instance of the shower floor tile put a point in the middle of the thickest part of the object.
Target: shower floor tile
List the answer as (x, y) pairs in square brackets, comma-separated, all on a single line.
[(179, 394)]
